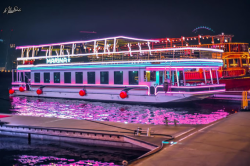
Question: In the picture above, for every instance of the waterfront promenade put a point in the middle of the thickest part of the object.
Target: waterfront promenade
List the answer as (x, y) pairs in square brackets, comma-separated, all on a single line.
[(223, 143), (108, 133)]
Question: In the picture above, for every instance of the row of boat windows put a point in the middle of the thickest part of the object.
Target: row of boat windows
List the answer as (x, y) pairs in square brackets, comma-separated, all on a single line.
[(91, 78)]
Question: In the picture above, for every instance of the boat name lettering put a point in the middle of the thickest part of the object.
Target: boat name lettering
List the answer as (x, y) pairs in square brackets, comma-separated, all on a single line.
[(58, 60)]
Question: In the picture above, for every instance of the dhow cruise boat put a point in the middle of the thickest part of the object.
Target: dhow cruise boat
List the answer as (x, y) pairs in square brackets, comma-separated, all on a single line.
[(117, 69)]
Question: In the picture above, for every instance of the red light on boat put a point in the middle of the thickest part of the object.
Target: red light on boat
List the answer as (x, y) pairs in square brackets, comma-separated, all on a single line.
[(82, 92), (11, 91), (123, 94), (39, 91), (21, 89)]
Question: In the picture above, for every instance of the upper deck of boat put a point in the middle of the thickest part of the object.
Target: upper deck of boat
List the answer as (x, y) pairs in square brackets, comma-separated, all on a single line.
[(113, 49)]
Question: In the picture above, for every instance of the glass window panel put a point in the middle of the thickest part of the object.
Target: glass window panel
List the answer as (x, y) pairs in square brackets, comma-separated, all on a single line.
[(37, 77), (67, 77), (133, 77), (91, 77), (104, 77), (79, 77), (46, 77), (149, 76), (57, 77), (118, 77)]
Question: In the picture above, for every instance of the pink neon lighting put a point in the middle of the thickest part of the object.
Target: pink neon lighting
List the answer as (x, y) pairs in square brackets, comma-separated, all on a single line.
[(192, 87), (87, 41), (18, 83), (167, 67), (78, 109), (51, 160), (120, 52), (212, 91), (120, 62), (95, 85)]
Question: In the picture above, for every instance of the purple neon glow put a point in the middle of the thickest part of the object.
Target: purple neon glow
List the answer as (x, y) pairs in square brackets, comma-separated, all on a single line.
[(18, 83), (199, 86), (193, 87), (135, 62), (87, 41), (78, 109), (169, 67), (95, 85), (201, 92), (56, 161), (134, 51)]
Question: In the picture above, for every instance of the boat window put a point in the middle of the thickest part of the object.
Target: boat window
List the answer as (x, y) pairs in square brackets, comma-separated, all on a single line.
[(37, 77), (21, 77), (244, 62), (91, 77), (104, 77), (79, 77), (133, 77), (57, 77), (27, 77), (149, 76), (46, 77), (118, 77), (231, 62), (161, 78), (67, 77)]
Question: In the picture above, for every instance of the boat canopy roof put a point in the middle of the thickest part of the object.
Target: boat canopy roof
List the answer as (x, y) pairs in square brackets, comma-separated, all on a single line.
[(149, 65)]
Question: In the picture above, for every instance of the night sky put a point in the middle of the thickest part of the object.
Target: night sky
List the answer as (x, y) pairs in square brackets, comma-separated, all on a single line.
[(49, 21)]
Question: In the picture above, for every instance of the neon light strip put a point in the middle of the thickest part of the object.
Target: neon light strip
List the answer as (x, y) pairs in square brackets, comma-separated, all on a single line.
[(18, 83), (200, 86), (86, 41), (133, 62), (24, 70), (96, 85), (184, 66), (221, 90), (134, 51), (161, 68), (191, 87)]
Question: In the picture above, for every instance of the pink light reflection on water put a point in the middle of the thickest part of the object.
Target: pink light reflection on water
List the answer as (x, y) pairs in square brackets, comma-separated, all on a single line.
[(34, 160), (77, 109)]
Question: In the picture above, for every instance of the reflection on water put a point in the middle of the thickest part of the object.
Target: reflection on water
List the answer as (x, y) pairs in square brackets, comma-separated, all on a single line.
[(52, 161), (17, 151), (79, 109)]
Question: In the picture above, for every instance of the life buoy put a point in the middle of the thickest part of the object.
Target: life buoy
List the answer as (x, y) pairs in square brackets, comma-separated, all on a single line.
[(123, 94), (11, 91), (39, 91), (21, 89), (82, 92)]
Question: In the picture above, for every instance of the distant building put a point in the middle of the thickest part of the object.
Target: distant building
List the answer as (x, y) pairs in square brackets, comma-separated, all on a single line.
[(2, 69)]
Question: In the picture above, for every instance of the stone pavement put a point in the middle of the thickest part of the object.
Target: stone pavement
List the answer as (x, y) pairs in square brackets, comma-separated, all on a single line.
[(223, 143)]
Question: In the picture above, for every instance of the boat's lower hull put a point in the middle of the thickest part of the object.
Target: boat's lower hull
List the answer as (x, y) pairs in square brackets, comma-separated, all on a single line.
[(236, 83), (150, 99)]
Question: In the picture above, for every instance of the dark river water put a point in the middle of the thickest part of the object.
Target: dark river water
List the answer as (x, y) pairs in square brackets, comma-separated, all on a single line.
[(17, 151)]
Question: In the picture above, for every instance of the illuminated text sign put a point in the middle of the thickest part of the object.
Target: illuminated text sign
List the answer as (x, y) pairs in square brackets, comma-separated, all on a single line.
[(58, 60)]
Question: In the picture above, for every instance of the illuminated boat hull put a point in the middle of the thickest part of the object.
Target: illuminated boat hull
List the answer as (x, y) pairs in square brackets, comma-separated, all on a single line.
[(135, 82), (106, 68), (146, 99)]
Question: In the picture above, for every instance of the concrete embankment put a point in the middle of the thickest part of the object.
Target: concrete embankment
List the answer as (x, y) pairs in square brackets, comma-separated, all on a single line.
[(223, 143), (88, 132)]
